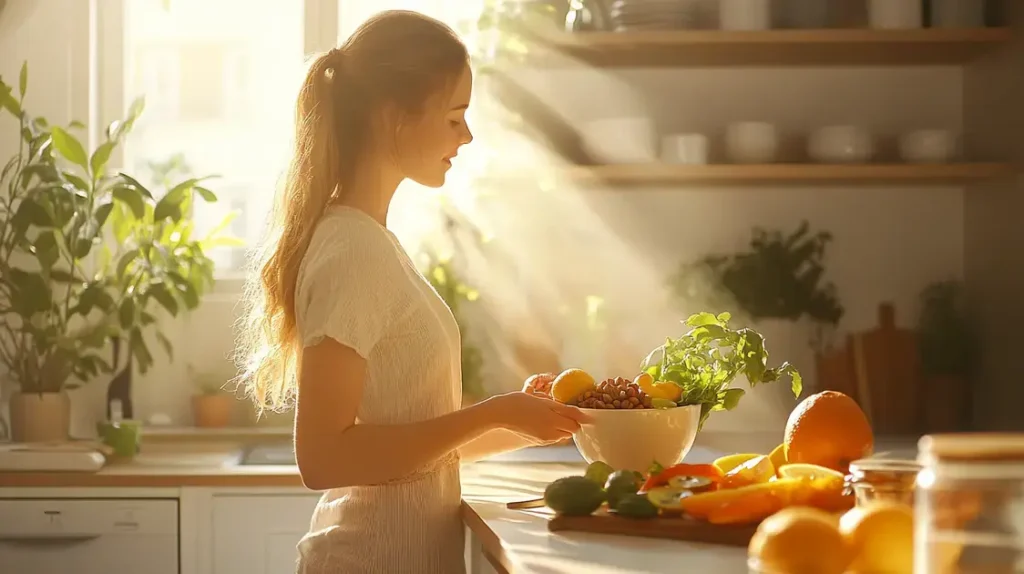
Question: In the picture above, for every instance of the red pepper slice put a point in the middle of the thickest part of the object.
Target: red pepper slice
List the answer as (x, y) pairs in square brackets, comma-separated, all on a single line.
[(708, 471)]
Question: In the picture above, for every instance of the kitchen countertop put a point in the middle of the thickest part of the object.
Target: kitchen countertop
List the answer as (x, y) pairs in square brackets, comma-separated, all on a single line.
[(515, 541)]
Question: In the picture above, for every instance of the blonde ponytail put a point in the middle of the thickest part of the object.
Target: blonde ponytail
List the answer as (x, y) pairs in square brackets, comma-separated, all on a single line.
[(267, 338), (396, 57)]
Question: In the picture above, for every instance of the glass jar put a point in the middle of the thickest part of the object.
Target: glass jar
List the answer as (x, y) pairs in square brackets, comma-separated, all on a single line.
[(890, 480), (969, 512)]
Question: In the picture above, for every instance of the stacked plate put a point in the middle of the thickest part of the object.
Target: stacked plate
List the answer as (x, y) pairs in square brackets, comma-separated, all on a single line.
[(633, 15)]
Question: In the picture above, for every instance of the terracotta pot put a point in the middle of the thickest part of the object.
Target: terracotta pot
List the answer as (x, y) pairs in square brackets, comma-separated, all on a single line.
[(40, 417), (947, 403), (213, 411)]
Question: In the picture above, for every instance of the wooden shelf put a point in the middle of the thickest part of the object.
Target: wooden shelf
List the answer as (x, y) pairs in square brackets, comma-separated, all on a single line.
[(791, 174), (705, 48)]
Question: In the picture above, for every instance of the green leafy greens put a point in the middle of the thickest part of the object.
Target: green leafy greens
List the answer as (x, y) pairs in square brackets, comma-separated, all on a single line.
[(705, 360)]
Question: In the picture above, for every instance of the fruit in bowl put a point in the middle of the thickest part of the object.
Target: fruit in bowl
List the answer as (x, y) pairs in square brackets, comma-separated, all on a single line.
[(680, 384)]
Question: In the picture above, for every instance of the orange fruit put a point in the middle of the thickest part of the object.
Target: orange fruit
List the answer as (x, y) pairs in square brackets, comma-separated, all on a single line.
[(570, 384), (828, 429), (881, 538), (799, 540)]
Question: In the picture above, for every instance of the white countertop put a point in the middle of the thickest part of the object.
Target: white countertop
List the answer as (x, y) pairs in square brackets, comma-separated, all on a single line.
[(520, 542)]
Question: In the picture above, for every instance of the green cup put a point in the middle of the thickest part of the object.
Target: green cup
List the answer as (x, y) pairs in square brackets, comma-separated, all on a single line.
[(122, 436)]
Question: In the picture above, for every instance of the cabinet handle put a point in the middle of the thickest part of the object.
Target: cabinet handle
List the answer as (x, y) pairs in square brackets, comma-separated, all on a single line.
[(48, 539)]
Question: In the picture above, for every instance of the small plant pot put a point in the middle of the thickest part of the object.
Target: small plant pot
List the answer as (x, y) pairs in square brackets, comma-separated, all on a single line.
[(213, 411), (40, 417)]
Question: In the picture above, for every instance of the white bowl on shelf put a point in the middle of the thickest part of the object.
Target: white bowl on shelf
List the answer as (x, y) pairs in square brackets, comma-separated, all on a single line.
[(621, 140), (841, 144), (634, 439)]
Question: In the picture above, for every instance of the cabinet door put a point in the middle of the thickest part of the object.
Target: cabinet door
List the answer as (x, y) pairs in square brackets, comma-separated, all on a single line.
[(89, 536), (258, 534)]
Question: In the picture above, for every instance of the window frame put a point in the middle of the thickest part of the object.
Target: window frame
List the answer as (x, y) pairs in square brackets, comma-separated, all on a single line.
[(108, 64)]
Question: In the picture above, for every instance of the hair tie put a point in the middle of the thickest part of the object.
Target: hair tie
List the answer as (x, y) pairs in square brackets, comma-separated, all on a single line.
[(335, 61)]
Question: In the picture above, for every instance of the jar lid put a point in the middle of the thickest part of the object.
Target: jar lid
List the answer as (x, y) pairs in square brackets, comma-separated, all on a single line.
[(890, 465), (966, 447)]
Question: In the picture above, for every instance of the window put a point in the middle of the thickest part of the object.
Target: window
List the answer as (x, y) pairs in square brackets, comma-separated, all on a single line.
[(220, 80)]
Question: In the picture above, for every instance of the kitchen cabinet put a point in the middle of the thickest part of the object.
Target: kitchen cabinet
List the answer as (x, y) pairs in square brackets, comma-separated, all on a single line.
[(89, 536), (257, 534)]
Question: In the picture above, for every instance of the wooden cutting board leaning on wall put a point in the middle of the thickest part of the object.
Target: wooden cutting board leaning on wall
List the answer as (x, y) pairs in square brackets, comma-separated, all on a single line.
[(880, 369)]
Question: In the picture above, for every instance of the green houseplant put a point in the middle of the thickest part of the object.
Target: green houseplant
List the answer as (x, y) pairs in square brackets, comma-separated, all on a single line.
[(947, 348), (86, 255), (778, 277)]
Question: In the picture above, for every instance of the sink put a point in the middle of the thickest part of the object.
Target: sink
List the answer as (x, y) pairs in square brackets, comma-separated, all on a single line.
[(280, 454)]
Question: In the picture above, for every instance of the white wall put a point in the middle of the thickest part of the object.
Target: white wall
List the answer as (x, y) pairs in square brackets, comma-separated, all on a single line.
[(889, 242)]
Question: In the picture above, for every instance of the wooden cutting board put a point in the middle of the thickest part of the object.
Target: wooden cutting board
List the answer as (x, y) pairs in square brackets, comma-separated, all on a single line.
[(684, 529)]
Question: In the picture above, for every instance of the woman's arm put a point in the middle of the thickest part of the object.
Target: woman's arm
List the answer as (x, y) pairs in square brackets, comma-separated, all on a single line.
[(332, 451), (495, 442)]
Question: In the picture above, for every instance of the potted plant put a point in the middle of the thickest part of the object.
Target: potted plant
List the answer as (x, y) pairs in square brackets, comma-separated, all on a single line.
[(778, 281), (947, 348), (779, 277), (212, 405), (85, 256)]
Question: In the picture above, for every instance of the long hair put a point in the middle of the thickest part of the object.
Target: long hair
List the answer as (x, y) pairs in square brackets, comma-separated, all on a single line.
[(396, 58)]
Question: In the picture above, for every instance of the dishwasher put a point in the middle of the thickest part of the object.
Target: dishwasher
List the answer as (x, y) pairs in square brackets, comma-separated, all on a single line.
[(89, 536)]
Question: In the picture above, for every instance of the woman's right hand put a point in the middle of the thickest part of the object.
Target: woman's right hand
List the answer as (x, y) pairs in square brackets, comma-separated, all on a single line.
[(538, 418)]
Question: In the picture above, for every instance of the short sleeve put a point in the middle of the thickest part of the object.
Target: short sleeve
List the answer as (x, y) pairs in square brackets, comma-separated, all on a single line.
[(350, 287)]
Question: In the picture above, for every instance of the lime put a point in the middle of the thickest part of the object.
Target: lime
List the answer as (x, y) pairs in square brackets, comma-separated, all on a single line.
[(599, 472), (621, 483), (636, 506), (574, 496), (659, 403)]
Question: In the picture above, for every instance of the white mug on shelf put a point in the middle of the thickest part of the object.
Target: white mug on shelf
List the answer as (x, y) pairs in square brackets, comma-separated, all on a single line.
[(957, 13), (751, 142), (928, 146), (745, 14), (895, 14), (685, 149)]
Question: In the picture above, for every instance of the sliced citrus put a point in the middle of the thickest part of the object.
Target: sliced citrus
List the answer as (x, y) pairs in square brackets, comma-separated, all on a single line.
[(727, 463), (753, 471), (778, 456), (808, 471), (741, 504), (668, 498)]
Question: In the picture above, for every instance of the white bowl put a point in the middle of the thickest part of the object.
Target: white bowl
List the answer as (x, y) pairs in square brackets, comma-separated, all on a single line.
[(634, 439), (840, 144), (620, 140)]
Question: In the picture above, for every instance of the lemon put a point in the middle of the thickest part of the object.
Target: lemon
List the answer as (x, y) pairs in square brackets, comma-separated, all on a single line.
[(799, 539), (658, 389), (808, 471), (727, 463), (881, 536), (569, 385), (778, 456)]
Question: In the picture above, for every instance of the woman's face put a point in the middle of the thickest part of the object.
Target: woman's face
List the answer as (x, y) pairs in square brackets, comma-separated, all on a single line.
[(428, 142)]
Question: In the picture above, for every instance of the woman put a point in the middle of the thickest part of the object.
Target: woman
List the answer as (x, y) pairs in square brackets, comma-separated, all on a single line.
[(340, 319)]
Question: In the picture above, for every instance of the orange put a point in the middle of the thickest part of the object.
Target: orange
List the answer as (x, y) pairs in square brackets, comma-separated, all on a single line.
[(799, 540), (570, 384), (881, 538), (751, 503), (828, 429), (824, 488)]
